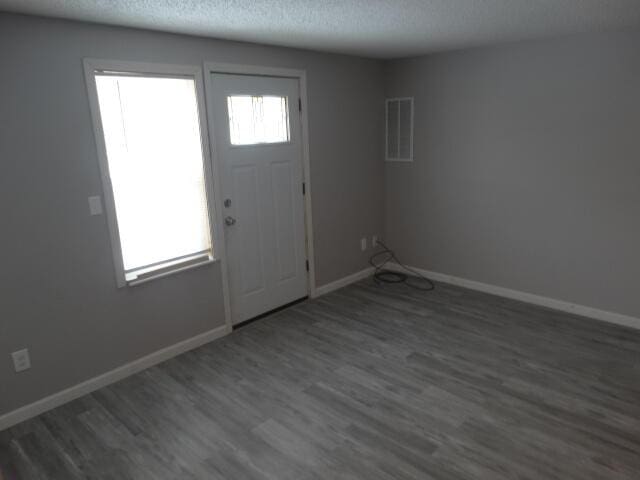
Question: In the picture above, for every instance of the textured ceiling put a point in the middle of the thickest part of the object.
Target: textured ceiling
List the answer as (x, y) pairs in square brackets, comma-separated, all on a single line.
[(375, 28)]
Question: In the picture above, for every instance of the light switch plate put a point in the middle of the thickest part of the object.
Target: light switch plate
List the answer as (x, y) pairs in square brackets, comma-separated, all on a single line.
[(363, 243), (21, 360), (95, 205)]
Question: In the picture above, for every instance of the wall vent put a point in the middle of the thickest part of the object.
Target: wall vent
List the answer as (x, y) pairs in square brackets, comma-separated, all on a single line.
[(399, 144)]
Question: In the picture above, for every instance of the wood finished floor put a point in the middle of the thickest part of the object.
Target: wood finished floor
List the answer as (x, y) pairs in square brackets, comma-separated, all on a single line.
[(364, 383)]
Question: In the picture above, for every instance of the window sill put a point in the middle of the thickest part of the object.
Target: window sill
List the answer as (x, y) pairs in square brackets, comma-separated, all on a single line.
[(259, 144), (173, 271)]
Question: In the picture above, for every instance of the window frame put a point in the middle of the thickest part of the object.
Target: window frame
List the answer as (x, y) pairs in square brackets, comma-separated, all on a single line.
[(93, 66)]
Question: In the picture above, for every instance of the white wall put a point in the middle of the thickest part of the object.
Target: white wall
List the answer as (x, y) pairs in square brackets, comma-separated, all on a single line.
[(57, 280), (527, 168)]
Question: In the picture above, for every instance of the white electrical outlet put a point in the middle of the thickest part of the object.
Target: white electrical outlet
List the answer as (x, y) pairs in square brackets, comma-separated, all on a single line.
[(363, 243), (374, 241), (95, 206), (21, 360)]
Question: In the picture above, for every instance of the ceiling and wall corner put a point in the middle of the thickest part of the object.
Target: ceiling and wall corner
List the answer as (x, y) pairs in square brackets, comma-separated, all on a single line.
[(372, 28)]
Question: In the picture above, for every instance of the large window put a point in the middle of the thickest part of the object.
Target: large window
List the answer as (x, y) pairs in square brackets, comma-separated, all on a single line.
[(155, 166)]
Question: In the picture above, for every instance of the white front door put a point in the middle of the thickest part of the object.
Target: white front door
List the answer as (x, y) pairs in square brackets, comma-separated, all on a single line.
[(257, 138)]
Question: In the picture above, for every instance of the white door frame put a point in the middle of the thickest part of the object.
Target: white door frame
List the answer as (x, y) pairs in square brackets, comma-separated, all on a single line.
[(219, 239)]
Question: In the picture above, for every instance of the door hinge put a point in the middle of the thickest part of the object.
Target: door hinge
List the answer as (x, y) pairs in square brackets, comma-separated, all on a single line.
[(299, 104), (307, 264), (304, 188)]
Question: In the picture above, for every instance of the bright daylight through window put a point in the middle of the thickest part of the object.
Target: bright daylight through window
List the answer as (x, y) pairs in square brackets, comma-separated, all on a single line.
[(156, 168), (258, 119)]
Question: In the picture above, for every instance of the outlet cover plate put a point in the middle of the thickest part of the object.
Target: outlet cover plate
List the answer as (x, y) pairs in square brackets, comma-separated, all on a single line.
[(21, 360), (95, 206)]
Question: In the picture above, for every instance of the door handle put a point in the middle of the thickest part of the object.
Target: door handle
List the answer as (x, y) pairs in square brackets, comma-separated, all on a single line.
[(229, 221)]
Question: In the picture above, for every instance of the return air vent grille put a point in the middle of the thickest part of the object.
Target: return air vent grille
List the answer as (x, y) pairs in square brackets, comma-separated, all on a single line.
[(399, 143)]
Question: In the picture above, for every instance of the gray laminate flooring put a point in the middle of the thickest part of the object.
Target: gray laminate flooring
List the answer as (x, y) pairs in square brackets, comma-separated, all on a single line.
[(364, 383)]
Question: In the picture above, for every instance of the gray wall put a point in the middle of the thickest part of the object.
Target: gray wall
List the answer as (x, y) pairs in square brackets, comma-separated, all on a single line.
[(527, 168), (57, 283)]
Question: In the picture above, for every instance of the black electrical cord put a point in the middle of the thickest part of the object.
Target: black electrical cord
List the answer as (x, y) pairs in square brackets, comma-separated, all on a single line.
[(382, 275)]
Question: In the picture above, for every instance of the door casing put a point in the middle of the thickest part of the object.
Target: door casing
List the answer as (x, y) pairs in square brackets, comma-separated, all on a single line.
[(219, 238)]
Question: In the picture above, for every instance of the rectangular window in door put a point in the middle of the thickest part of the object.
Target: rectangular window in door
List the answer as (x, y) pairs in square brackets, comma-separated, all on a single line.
[(257, 119)]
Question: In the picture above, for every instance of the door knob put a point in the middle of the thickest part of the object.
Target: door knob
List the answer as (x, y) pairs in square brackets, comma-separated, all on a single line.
[(229, 221)]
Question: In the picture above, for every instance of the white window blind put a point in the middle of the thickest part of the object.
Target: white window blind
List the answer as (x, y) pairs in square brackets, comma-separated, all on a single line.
[(155, 160), (399, 135), (258, 119)]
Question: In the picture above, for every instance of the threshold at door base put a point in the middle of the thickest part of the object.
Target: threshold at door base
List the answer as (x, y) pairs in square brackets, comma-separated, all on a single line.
[(270, 312)]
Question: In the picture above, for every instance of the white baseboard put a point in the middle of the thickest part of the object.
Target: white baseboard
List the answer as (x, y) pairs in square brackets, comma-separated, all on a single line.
[(342, 282), (561, 305), (52, 401)]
